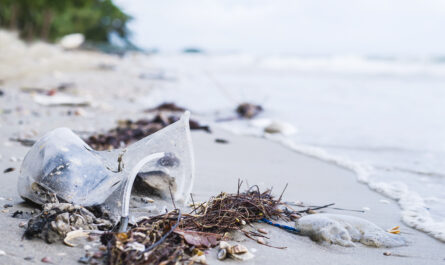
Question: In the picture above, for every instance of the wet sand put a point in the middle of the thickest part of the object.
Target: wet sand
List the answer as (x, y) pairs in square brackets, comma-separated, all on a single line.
[(218, 167)]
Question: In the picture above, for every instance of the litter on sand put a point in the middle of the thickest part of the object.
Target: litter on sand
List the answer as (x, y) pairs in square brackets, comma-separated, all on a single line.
[(60, 167), (85, 193)]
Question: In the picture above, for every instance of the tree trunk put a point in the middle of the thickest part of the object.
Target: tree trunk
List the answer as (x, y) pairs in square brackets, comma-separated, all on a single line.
[(46, 26), (14, 15)]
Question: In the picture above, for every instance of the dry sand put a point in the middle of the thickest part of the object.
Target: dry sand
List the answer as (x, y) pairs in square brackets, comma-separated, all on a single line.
[(219, 166)]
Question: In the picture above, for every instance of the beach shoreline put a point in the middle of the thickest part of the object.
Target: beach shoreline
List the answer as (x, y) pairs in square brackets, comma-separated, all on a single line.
[(114, 93)]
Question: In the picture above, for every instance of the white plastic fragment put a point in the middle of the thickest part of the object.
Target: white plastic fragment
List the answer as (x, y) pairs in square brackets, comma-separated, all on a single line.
[(60, 100), (344, 230)]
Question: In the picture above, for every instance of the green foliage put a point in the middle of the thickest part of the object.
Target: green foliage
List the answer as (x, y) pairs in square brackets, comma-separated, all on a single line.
[(52, 19)]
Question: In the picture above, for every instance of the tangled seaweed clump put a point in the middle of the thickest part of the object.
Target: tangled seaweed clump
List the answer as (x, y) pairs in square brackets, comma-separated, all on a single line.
[(174, 237)]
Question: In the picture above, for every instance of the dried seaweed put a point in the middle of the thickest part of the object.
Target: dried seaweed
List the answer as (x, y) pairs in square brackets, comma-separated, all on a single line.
[(167, 106), (161, 239), (129, 131)]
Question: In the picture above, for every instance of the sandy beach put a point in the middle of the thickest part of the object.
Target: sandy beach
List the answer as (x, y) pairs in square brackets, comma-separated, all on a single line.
[(113, 89)]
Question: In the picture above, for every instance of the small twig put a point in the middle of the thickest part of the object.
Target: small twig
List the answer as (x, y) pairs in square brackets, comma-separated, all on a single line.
[(193, 201), (351, 210), (281, 195), (240, 182), (171, 195), (267, 245)]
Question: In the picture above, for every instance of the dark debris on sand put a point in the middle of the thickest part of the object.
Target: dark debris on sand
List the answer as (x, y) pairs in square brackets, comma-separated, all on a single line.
[(175, 238), (129, 131), (248, 110), (168, 106), (57, 219)]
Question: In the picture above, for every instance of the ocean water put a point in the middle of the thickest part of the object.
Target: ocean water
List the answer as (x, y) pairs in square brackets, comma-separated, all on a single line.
[(383, 118)]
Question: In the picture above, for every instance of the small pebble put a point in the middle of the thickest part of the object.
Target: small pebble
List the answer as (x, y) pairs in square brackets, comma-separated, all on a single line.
[(28, 258), (261, 241), (9, 169), (91, 238), (147, 200), (263, 231), (8, 205), (221, 141), (103, 248), (46, 260), (98, 255), (22, 224), (295, 216), (310, 211), (5, 211), (387, 253), (2, 253), (87, 247), (84, 260)]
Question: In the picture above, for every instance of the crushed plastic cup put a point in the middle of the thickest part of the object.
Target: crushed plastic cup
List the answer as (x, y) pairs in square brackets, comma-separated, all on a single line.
[(62, 165)]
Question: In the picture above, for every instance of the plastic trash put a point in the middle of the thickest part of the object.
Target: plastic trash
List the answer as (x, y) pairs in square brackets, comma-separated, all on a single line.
[(62, 165), (344, 230)]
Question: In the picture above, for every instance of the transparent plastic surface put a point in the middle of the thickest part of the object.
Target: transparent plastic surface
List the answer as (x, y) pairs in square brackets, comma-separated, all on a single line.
[(62, 165)]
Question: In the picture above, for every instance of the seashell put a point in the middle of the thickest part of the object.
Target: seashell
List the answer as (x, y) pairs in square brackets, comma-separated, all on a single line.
[(242, 257), (222, 254), (295, 216), (224, 245), (261, 241), (237, 249), (280, 127), (262, 231), (72, 235), (198, 259)]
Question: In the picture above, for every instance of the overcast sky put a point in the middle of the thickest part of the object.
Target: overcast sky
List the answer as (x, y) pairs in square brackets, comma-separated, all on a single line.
[(413, 27)]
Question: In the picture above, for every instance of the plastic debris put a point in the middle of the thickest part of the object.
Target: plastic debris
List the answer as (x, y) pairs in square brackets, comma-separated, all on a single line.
[(60, 100), (61, 167), (344, 230)]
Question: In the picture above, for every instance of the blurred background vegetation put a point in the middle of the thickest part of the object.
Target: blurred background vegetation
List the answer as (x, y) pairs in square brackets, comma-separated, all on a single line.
[(98, 20)]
